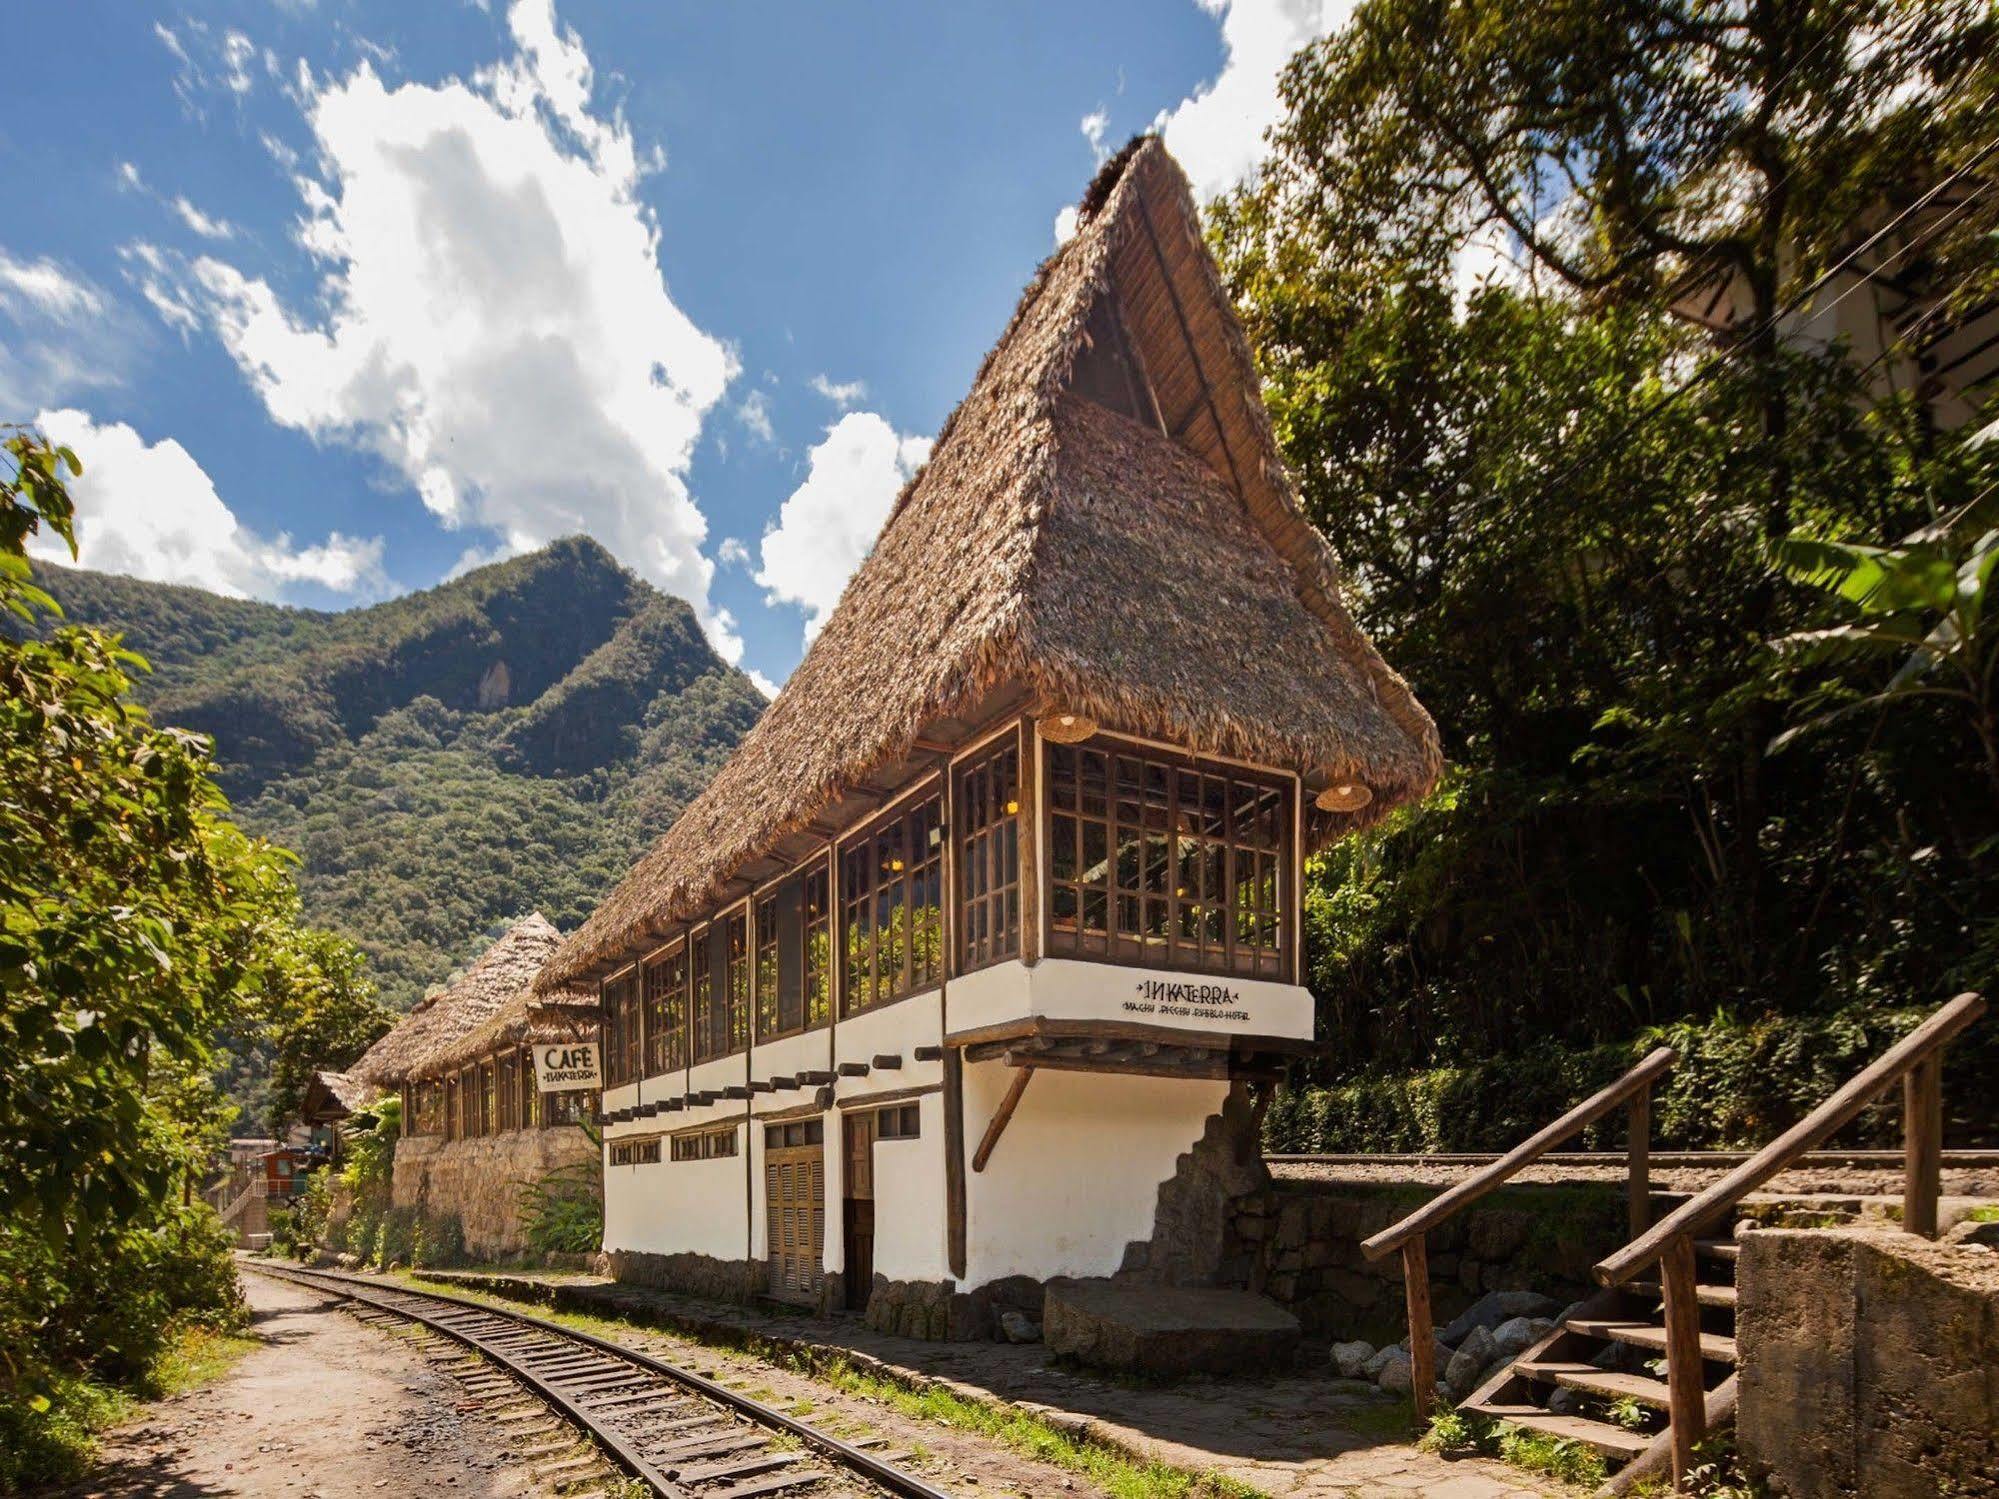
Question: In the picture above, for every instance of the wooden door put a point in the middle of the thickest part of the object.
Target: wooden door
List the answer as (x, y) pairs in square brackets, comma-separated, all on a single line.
[(795, 1205), (859, 1204)]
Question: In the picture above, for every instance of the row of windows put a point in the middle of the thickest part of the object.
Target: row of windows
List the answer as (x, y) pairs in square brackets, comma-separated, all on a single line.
[(635, 1152), (1153, 860), (490, 1097), (705, 1145)]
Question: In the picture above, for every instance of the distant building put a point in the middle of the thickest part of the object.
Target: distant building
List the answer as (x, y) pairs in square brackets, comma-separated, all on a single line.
[(938, 989), (476, 1126)]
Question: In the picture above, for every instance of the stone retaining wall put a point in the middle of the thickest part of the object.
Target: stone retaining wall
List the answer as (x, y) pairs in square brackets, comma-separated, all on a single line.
[(479, 1181), (1869, 1364), (690, 1274), (1299, 1244)]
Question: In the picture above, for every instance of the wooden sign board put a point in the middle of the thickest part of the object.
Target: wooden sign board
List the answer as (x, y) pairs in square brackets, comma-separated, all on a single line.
[(567, 1066)]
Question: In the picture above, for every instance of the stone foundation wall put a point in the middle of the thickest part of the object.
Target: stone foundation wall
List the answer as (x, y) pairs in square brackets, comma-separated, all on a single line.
[(1190, 1243), (690, 1274), (479, 1181), (1869, 1364), (1299, 1244)]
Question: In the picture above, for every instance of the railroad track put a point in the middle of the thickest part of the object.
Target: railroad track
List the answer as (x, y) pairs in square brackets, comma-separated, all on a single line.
[(677, 1431)]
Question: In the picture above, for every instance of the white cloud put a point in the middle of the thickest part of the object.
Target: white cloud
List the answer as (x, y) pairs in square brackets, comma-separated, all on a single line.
[(753, 411), (842, 393), (150, 511), (45, 287), (201, 223), (1217, 132), (497, 328), (1094, 125), (1065, 225), (829, 522), (762, 683), (60, 335), (733, 552)]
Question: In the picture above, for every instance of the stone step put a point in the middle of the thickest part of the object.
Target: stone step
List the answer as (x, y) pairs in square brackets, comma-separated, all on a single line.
[(1613, 1442), (1718, 1249), (1609, 1383), (1649, 1335)]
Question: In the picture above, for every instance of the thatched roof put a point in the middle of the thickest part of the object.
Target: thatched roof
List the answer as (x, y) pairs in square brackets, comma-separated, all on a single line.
[(567, 1014), (331, 1096), (1165, 585), (498, 977)]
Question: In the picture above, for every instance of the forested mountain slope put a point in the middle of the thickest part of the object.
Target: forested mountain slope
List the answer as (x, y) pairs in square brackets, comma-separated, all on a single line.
[(505, 742)]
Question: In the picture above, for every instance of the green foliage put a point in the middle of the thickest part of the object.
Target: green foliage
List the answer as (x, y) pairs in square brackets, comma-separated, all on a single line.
[(1738, 1083), (317, 1011), (1537, 1452), (1572, 551), (508, 741), (563, 1212)]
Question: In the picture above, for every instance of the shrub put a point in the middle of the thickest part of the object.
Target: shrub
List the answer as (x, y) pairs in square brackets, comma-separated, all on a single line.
[(563, 1213)]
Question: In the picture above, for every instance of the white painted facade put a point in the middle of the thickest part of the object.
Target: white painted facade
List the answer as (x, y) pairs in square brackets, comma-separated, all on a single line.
[(1073, 1181)]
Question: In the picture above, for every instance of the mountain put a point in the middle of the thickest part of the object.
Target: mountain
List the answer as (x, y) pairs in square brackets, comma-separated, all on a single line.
[(505, 742)]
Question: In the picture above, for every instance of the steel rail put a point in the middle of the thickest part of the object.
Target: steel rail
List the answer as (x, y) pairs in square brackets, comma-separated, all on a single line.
[(372, 1292)]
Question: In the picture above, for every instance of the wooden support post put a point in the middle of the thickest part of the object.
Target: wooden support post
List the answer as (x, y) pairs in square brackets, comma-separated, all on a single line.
[(1922, 1144), (1685, 1386), (1422, 1336), (1001, 1116), (954, 1160), (1638, 1153)]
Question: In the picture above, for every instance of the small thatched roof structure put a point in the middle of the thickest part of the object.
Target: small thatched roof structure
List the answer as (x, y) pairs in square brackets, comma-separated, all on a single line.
[(333, 1096), (430, 1033), (1150, 568)]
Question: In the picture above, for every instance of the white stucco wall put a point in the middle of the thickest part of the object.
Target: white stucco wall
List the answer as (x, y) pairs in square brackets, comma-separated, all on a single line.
[(912, 1233), (1076, 1175), (893, 1030), (678, 1207)]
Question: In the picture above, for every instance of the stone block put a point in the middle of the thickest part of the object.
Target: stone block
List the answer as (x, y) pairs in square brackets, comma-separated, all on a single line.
[(1351, 1358), (1161, 1330), (1867, 1361)]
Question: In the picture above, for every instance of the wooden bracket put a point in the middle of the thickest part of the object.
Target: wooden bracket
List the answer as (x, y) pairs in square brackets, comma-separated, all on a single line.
[(1001, 1117)]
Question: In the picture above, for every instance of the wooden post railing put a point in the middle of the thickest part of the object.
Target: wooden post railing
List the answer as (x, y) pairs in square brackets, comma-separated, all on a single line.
[(1916, 1061), (1634, 1089)]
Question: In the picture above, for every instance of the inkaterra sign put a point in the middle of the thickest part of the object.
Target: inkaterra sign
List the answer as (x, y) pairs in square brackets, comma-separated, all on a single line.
[(567, 1066)]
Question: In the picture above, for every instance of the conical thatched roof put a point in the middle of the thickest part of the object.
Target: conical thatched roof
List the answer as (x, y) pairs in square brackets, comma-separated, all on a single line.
[(500, 976), (1152, 570)]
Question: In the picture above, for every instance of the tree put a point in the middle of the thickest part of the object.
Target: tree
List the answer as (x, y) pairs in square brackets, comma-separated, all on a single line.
[(318, 1011), (1569, 545)]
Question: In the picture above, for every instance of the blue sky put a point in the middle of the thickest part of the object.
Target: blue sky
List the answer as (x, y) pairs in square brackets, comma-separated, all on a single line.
[(336, 297)]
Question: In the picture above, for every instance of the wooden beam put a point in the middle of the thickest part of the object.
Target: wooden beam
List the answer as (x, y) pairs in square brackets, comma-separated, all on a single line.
[(1922, 1144), (1686, 1388), (954, 1161), (1638, 1146), (1212, 1069), (1422, 1332), (1001, 1117), (1193, 352)]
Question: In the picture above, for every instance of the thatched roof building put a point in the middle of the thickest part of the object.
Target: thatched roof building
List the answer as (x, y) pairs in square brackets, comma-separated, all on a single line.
[(431, 1036), (333, 1096), (1105, 528)]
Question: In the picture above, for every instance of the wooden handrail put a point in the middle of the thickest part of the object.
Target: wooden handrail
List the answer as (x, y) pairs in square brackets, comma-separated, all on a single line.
[(1914, 1050), (1637, 1081)]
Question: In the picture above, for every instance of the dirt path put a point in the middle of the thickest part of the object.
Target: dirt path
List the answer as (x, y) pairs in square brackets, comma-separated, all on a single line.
[(325, 1407)]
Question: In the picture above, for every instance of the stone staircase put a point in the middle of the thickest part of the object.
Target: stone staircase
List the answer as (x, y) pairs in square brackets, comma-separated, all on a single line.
[(1600, 1377)]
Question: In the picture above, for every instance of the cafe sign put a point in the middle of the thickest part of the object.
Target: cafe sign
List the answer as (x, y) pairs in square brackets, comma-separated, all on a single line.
[(567, 1066)]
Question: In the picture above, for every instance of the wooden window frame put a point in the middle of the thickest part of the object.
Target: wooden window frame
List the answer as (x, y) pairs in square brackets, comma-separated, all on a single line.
[(899, 1121), (663, 982), (711, 1142), (880, 877), (988, 895), (644, 1152), (1232, 954)]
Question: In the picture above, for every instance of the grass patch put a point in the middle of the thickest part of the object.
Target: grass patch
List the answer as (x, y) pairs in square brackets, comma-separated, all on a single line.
[(1455, 1432), (54, 1439)]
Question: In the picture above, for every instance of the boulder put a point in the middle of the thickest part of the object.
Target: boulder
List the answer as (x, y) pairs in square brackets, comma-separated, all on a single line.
[(1351, 1358), (1565, 1402), (1017, 1327), (1512, 1338), (1167, 1330), (1969, 1232), (1494, 1308), (1371, 1368), (1461, 1373), (1394, 1376)]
